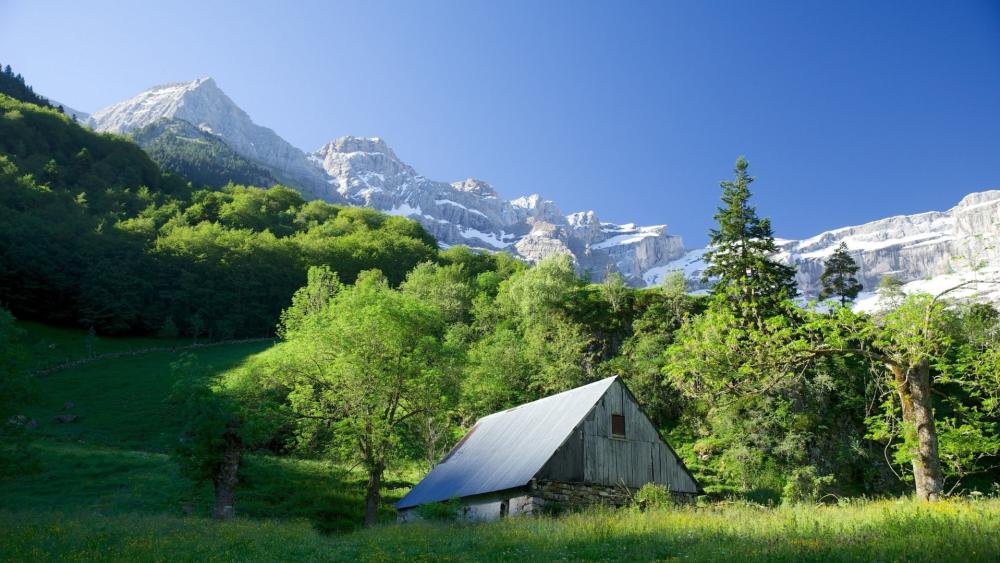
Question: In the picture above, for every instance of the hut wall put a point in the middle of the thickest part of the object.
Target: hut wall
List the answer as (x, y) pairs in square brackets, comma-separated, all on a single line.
[(592, 455)]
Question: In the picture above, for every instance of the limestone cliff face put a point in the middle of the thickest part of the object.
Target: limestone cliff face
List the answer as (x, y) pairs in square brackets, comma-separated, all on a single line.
[(367, 172), (929, 251), (911, 247)]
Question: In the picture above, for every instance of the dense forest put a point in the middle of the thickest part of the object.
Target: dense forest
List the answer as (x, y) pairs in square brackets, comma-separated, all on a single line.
[(765, 398), (13, 84), (388, 348)]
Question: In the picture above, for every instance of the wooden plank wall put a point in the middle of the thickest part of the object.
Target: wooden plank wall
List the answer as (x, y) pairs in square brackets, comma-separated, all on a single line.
[(641, 457)]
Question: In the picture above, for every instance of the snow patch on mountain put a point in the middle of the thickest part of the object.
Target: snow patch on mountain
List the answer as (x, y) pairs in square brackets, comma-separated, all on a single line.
[(691, 264)]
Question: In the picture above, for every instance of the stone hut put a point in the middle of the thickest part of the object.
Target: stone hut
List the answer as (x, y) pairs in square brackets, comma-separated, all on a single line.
[(589, 445)]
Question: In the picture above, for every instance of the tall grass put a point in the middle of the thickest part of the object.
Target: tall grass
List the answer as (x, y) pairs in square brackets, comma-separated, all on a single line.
[(871, 531)]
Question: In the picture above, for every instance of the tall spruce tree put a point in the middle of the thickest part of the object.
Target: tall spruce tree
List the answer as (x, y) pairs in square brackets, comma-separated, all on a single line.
[(741, 249), (839, 277)]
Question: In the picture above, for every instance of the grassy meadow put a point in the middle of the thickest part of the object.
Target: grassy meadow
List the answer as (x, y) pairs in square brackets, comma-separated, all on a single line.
[(103, 488), (869, 531)]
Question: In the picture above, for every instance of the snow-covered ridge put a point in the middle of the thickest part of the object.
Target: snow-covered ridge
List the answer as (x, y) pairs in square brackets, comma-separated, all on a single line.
[(926, 250)]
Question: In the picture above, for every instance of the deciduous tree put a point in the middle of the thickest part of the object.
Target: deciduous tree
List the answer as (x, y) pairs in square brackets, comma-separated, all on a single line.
[(359, 369)]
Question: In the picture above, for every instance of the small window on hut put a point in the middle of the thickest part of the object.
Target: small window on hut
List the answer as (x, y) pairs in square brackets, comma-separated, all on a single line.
[(618, 426)]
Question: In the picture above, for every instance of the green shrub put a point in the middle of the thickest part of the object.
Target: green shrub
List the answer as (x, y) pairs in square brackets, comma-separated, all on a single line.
[(652, 496), (441, 511), (804, 485)]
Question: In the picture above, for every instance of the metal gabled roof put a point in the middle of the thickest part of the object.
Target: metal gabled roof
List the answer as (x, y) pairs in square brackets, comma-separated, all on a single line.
[(506, 449)]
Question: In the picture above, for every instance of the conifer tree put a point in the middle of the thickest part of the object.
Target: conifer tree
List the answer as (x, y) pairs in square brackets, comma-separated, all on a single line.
[(839, 276), (741, 249)]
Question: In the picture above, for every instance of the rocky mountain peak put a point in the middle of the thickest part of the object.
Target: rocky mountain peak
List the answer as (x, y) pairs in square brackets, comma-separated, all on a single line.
[(360, 166), (474, 186), (182, 100), (537, 208), (351, 144), (979, 198), (583, 219), (202, 103)]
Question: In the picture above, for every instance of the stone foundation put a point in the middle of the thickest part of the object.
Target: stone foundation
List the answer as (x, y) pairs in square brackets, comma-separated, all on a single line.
[(541, 496), (562, 494)]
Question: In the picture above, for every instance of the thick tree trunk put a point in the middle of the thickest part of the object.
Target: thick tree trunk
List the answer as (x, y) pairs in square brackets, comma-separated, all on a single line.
[(914, 389), (373, 495), (225, 480)]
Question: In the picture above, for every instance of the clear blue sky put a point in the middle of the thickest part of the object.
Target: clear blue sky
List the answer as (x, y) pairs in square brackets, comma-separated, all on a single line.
[(848, 111)]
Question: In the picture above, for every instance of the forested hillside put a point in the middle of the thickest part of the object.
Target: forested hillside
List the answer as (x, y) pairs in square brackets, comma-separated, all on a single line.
[(200, 157), (13, 84), (96, 235)]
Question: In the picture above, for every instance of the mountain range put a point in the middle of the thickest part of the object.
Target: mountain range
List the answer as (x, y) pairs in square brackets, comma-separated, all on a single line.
[(926, 250)]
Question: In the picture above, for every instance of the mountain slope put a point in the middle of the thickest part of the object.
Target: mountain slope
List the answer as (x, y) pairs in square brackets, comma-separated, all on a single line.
[(368, 173), (96, 236), (201, 103), (199, 156)]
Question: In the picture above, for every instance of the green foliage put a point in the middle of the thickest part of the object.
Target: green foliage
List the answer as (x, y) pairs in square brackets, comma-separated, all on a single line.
[(359, 367), (16, 391), (440, 511), (957, 348), (13, 85), (740, 256), (183, 149), (804, 485), (169, 329), (97, 236), (641, 356), (530, 345), (14, 384), (890, 290), (444, 287), (653, 496), (674, 283), (90, 464), (309, 300), (615, 291), (838, 278), (209, 416)]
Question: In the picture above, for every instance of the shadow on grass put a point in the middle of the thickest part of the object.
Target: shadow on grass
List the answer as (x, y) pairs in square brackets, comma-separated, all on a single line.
[(107, 481)]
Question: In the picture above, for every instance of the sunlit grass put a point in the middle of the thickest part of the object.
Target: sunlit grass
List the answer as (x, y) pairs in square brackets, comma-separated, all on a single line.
[(871, 531)]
